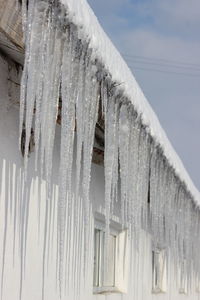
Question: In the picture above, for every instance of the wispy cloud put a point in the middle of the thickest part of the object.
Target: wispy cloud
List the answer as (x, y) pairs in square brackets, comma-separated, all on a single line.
[(155, 44), (180, 11)]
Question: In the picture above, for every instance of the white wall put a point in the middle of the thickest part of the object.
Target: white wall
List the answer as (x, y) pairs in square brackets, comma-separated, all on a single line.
[(11, 173)]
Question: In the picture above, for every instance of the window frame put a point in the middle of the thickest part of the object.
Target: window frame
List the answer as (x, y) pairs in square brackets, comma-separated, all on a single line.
[(198, 287), (159, 278), (121, 253), (183, 280), (98, 277)]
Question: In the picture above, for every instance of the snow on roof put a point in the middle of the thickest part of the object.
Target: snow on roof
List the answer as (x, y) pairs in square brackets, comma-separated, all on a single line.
[(82, 15)]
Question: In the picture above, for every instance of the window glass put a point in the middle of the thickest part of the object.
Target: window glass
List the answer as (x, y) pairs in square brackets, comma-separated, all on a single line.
[(111, 270), (104, 268), (183, 277), (159, 273)]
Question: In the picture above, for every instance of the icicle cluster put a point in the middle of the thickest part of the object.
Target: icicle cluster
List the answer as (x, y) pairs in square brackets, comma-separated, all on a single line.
[(61, 77)]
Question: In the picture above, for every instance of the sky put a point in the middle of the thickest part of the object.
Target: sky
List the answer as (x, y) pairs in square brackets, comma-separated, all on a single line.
[(160, 41)]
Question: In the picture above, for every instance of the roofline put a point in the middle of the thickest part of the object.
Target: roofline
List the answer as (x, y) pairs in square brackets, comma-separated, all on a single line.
[(108, 56)]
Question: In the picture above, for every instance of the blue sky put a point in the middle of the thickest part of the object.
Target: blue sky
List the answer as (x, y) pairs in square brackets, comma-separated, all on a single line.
[(162, 35)]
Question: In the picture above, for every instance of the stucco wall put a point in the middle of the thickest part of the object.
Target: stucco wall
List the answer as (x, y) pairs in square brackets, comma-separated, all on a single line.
[(11, 172)]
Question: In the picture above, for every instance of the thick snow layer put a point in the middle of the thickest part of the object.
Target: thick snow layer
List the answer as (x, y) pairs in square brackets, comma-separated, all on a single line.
[(82, 15)]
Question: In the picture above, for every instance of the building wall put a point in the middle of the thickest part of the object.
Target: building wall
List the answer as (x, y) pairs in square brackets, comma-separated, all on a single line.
[(11, 217)]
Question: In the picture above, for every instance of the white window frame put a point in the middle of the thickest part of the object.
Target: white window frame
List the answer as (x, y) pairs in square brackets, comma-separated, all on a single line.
[(159, 271), (120, 261), (198, 286), (183, 281)]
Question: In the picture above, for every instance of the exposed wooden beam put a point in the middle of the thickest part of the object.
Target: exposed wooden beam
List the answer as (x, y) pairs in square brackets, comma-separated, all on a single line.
[(11, 35)]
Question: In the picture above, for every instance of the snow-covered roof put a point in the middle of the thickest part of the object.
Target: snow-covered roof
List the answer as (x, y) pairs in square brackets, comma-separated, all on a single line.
[(82, 16)]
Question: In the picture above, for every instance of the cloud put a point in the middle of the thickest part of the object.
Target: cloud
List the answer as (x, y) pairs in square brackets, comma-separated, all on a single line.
[(182, 11), (153, 44), (181, 17)]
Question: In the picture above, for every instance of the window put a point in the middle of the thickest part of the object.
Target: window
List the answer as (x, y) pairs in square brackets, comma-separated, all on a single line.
[(183, 277), (198, 286), (159, 271), (110, 273), (104, 276)]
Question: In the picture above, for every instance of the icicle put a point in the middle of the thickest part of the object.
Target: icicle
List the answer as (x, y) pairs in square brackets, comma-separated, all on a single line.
[(90, 112), (79, 121), (67, 135), (145, 166), (124, 132), (110, 162), (132, 172), (32, 66), (39, 89), (24, 15), (17, 6), (25, 72)]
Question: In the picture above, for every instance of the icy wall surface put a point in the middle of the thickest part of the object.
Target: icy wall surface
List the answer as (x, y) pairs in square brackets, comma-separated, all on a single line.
[(71, 66)]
